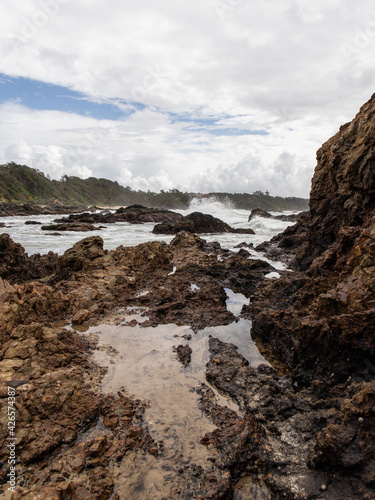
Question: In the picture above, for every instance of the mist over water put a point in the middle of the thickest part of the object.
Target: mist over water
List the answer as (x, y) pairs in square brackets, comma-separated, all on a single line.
[(34, 240)]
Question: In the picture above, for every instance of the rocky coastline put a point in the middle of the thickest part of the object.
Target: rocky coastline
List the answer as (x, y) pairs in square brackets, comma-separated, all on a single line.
[(303, 426), (54, 207)]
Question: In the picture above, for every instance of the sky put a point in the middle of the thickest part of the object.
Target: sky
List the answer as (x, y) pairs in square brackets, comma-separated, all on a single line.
[(198, 95)]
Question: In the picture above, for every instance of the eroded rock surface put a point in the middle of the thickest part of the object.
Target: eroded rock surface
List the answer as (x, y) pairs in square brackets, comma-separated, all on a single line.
[(17, 266), (314, 443), (342, 190), (70, 436), (320, 320)]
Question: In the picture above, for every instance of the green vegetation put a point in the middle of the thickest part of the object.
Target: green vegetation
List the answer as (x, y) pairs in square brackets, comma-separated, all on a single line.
[(19, 183)]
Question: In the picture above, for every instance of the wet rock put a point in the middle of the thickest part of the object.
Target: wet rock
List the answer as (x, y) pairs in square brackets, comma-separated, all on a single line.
[(17, 266), (328, 311), (319, 321), (259, 212), (83, 255), (80, 316), (77, 227), (134, 214), (139, 214), (251, 491), (289, 439), (183, 354), (62, 415), (185, 239), (198, 223), (15, 209), (286, 245)]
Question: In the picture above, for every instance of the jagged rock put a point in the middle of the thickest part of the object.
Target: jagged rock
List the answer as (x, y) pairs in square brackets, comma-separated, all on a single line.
[(198, 223), (342, 190), (320, 321), (59, 412), (287, 244), (16, 266), (183, 353), (185, 239), (259, 212), (330, 308), (293, 441), (80, 316), (83, 255)]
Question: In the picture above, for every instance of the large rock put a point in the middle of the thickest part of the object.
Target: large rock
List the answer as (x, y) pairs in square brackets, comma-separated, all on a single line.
[(342, 191), (320, 321), (329, 309), (17, 267), (198, 223), (83, 255)]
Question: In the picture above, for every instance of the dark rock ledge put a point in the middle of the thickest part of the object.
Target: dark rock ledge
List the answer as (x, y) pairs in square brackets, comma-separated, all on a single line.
[(198, 223)]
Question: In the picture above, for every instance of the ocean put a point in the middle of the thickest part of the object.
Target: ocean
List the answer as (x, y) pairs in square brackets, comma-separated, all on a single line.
[(34, 240)]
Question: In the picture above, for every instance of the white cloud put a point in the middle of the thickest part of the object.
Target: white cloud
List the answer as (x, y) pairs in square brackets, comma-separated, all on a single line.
[(294, 68)]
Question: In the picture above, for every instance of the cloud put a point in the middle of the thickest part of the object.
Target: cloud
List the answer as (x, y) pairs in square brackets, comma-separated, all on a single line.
[(294, 69)]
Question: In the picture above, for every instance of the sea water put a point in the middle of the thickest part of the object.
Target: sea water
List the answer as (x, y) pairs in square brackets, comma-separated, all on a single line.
[(35, 240)]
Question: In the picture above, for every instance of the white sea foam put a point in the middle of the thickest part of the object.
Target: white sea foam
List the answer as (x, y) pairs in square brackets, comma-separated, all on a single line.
[(34, 240)]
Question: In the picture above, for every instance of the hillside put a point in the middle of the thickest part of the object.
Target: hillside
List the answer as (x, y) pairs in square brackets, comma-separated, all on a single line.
[(19, 183)]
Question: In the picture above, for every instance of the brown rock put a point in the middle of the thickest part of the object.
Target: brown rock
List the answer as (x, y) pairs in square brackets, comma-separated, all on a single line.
[(80, 316), (83, 255), (183, 354)]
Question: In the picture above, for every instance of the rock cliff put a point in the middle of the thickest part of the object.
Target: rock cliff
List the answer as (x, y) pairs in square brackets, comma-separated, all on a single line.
[(320, 320), (342, 192)]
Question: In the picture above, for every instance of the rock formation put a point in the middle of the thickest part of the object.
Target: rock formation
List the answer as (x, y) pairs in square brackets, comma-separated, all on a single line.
[(320, 321), (70, 435), (259, 212), (342, 191), (17, 266), (75, 226), (198, 223), (16, 209), (134, 214)]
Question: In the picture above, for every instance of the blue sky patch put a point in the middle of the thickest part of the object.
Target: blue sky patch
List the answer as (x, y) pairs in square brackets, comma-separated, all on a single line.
[(213, 126), (44, 96)]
